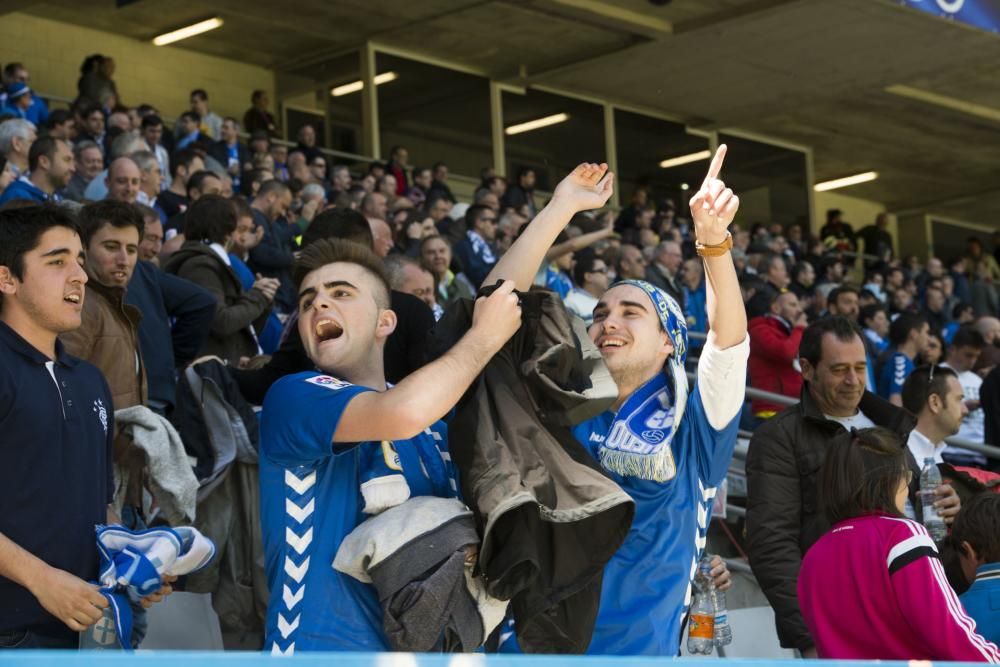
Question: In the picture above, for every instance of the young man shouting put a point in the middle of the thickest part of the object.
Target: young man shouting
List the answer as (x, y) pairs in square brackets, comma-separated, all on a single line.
[(317, 427)]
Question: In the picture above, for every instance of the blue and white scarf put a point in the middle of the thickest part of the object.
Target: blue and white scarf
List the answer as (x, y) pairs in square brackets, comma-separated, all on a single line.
[(133, 564), (481, 248), (639, 442)]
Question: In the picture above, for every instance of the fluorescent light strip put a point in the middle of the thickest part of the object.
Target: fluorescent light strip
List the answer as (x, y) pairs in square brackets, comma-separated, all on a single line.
[(685, 159), (610, 11), (846, 181), (189, 31), (554, 119), (355, 86), (978, 110)]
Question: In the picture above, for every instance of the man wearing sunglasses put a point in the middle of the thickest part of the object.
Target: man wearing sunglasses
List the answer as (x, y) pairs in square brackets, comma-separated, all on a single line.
[(590, 275), (477, 250)]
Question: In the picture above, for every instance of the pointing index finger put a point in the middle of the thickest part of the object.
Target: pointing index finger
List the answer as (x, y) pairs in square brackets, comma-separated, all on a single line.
[(716, 166)]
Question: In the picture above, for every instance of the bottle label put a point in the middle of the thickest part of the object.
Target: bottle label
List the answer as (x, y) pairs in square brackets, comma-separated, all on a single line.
[(721, 619), (702, 626)]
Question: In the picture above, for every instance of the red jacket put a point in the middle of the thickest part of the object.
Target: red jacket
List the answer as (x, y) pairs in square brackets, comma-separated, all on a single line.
[(773, 350)]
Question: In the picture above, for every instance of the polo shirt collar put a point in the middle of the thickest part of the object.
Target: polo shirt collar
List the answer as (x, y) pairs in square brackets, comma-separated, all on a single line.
[(990, 571), (15, 342)]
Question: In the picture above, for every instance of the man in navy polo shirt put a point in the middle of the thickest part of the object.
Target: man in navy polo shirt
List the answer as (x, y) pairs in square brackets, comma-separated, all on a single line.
[(56, 426)]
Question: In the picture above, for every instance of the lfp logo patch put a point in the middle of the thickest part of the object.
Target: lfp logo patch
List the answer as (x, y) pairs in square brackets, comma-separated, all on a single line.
[(328, 381)]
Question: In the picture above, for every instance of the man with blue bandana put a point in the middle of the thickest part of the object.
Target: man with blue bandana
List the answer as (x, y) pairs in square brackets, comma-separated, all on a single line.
[(669, 447)]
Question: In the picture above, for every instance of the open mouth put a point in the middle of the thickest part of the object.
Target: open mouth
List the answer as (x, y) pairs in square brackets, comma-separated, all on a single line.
[(328, 330), (605, 343), (74, 298), (119, 275)]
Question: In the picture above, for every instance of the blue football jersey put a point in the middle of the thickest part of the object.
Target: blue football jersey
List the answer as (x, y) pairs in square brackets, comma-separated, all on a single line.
[(647, 584), (894, 374), (311, 500)]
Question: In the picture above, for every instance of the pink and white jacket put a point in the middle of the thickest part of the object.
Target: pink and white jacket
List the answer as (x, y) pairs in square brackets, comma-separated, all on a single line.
[(874, 588)]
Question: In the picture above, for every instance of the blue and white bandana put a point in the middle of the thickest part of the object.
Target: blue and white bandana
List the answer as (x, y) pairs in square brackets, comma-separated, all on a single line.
[(638, 444)]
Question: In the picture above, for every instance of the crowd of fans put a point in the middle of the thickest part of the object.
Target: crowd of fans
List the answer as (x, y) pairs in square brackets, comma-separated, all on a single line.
[(193, 232)]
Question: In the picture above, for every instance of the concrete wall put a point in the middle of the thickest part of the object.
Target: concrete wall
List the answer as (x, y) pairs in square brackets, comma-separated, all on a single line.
[(159, 75)]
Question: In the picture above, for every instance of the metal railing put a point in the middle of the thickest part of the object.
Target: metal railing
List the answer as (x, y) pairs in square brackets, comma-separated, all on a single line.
[(751, 393)]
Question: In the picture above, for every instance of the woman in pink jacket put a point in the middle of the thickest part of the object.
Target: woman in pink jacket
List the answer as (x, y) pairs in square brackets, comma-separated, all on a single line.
[(873, 587)]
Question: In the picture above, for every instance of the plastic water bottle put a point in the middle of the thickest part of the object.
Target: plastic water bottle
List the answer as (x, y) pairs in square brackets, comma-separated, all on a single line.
[(930, 479), (701, 625), (723, 633)]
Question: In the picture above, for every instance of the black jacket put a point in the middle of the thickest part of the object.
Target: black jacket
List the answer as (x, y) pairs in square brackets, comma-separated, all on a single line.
[(549, 517), (673, 287), (220, 151), (783, 518), (274, 256), (236, 309), (989, 394), (163, 298)]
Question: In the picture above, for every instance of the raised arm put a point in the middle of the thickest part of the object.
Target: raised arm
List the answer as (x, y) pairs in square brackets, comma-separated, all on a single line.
[(426, 395), (580, 242), (713, 208), (587, 187)]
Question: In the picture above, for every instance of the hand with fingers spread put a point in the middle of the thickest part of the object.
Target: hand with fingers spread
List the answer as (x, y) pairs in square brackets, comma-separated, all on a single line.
[(714, 206), (69, 598), (587, 187)]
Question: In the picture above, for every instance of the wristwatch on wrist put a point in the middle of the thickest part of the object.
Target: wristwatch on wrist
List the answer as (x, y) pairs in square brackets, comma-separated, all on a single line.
[(715, 250)]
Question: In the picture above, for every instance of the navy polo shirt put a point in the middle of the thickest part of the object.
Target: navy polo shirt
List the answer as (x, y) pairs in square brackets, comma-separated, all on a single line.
[(56, 435)]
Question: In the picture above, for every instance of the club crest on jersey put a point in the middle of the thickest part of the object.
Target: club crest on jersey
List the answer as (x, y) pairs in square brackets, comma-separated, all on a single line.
[(102, 414), (328, 381)]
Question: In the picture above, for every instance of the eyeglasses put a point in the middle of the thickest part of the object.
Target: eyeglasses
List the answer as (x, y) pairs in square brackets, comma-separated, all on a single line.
[(603, 269)]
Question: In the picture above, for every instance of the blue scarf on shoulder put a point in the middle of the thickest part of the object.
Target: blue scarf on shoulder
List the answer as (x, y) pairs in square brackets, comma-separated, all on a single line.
[(639, 442)]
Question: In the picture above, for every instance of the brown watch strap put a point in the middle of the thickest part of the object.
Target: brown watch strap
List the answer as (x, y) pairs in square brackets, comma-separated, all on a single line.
[(715, 250)]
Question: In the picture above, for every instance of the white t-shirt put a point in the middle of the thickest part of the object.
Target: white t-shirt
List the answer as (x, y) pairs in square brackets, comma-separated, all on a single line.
[(858, 421), (581, 304), (973, 427)]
